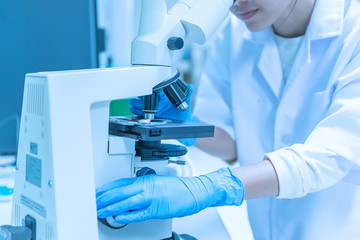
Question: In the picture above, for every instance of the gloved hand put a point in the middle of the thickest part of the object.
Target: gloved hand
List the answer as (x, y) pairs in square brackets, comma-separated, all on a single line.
[(154, 196), (167, 111)]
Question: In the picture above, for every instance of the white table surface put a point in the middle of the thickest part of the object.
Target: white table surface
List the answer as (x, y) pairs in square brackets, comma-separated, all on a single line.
[(225, 223)]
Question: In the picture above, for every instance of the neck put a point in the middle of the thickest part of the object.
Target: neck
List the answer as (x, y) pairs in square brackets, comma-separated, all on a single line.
[(295, 19)]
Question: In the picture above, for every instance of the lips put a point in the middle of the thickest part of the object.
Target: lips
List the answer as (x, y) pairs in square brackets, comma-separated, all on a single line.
[(246, 14)]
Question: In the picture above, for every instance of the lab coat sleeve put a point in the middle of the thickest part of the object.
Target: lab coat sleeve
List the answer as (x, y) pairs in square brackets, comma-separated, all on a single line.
[(213, 101), (332, 148)]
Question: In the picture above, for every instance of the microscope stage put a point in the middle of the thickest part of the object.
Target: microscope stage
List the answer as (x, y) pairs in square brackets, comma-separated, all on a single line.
[(158, 129)]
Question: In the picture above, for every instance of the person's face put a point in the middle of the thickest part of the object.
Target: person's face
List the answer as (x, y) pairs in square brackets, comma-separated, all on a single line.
[(260, 14)]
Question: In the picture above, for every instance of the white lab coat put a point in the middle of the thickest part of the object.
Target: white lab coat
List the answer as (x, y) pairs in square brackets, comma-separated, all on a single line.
[(308, 128)]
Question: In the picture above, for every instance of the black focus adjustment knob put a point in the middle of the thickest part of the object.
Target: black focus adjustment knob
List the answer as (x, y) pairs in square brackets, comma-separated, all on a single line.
[(170, 150), (175, 43), (145, 171)]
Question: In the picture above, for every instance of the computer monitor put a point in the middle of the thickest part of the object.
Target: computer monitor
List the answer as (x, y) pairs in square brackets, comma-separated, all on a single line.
[(40, 35)]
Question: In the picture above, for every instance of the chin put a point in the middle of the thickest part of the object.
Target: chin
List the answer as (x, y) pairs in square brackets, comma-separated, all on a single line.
[(253, 27)]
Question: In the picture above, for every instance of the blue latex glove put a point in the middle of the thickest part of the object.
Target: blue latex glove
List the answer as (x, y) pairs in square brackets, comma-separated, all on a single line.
[(154, 196), (167, 111)]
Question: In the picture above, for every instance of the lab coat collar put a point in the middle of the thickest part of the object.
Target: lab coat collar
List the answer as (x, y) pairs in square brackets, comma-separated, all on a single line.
[(273, 74), (326, 22), (327, 19)]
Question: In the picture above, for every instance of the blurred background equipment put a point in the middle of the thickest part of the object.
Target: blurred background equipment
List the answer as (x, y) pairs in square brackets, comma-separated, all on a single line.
[(40, 35)]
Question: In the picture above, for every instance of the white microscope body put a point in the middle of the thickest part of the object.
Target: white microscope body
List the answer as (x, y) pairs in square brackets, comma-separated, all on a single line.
[(65, 151)]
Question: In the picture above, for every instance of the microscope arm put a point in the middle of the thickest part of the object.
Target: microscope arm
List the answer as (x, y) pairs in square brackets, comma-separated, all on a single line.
[(162, 32)]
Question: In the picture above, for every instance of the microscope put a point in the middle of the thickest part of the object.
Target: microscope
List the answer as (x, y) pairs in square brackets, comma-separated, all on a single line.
[(68, 146)]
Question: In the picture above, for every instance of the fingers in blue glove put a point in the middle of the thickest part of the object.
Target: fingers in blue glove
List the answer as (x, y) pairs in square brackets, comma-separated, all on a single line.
[(114, 184), (136, 103), (133, 216), (155, 196), (136, 111), (136, 202), (190, 92), (116, 191), (115, 195), (136, 106), (187, 141)]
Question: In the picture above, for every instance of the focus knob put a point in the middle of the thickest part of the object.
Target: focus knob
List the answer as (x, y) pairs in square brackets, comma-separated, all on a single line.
[(145, 171), (175, 43)]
